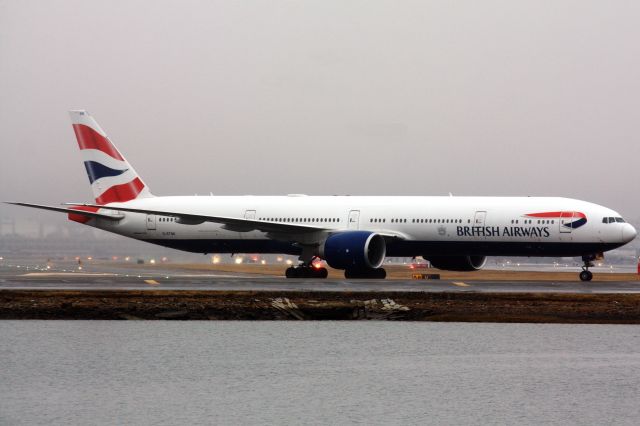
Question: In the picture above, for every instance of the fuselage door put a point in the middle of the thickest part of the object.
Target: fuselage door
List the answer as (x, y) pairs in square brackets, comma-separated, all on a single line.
[(151, 222), (354, 219), (478, 219), (250, 214), (565, 222)]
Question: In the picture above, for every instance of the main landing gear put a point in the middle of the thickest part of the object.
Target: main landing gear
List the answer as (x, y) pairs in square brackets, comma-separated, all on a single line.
[(586, 274), (306, 270)]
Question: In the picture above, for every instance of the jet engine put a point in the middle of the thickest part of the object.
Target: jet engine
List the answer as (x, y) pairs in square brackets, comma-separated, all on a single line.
[(354, 250), (457, 263)]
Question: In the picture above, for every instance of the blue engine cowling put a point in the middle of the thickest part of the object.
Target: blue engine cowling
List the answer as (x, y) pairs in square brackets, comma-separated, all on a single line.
[(354, 250)]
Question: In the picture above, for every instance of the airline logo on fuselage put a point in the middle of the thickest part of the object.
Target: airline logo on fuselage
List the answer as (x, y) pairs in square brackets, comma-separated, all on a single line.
[(570, 220), (566, 219)]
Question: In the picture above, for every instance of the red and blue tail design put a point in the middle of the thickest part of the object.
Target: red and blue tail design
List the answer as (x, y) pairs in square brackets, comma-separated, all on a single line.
[(111, 176)]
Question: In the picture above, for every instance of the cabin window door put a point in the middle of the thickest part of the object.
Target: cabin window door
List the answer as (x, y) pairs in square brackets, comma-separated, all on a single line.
[(354, 219), (151, 222), (565, 222)]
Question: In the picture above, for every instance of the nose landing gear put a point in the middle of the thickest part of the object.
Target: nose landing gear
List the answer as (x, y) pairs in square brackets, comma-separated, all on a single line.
[(586, 274)]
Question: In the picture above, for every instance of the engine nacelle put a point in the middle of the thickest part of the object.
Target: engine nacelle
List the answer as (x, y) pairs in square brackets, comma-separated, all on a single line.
[(458, 263), (354, 250)]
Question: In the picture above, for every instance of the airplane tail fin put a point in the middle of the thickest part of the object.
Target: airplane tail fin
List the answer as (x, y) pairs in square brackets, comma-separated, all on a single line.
[(111, 176)]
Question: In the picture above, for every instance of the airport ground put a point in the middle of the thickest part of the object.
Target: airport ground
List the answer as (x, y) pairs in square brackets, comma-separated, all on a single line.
[(110, 290)]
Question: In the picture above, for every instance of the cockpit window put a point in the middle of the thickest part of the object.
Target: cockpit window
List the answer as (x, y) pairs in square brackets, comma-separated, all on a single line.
[(613, 220)]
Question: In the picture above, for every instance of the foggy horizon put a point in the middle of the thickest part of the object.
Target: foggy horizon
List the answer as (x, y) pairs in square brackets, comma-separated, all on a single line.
[(360, 98)]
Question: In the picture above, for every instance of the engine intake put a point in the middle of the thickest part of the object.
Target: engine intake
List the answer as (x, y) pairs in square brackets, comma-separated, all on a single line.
[(458, 263), (354, 250)]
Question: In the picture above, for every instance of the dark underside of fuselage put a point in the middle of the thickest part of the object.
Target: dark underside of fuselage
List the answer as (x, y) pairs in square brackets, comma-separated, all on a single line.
[(401, 248)]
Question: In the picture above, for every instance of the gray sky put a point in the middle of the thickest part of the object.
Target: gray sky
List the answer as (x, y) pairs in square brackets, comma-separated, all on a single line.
[(326, 97)]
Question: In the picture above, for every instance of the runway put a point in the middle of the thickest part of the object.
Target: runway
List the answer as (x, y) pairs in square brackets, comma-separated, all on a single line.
[(232, 282), (111, 291)]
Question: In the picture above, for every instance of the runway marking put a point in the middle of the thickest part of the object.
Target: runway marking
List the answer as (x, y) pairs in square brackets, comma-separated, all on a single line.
[(460, 284), (152, 282)]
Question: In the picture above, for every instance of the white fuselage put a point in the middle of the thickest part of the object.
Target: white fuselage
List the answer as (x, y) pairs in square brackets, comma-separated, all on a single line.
[(519, 226)]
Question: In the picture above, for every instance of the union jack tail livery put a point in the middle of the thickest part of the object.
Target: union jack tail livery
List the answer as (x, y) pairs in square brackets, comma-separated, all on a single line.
[(111, 176)]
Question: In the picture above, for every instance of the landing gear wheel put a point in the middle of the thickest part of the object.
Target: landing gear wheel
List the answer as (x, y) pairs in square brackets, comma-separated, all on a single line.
[(380, 273), (586, 276), (291, 272), (304, 271)]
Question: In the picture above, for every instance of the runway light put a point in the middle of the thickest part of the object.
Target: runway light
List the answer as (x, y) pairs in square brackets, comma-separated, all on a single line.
[(79, 268), (238, 260), (152, 261), (289, 262), (164, 259), (279, 258), (263, 262), (215, 259), (1, 258), (89, 258), (114, 257), (126, 259)]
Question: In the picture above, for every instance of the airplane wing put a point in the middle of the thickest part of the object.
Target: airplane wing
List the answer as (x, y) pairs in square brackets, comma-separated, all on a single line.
[(233, 224), (93, 215)]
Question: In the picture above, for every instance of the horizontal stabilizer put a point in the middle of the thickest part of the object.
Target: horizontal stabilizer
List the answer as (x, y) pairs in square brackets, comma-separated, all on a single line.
[(89, 214)]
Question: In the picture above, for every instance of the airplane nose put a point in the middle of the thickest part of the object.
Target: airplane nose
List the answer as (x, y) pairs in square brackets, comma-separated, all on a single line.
[(628, 233)]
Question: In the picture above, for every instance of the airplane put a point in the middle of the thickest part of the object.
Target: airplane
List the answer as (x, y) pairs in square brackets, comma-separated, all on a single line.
[(350, 233)]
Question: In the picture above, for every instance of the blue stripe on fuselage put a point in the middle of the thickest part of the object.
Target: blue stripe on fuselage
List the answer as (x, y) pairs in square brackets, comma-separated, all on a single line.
[(97, 171)]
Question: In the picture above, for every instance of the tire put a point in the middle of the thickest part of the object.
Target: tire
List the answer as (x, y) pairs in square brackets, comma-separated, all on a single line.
[(291, 272), (380, 273), (586, 276), (322, 273)]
